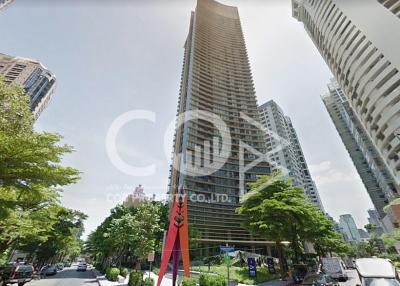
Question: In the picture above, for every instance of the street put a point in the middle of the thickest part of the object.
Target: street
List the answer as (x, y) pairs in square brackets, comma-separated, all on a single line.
[(67, 277), (352, 278)]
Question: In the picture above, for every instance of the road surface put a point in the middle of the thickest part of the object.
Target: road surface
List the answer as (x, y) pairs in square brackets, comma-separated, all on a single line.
[(352, 278), (67, 277)]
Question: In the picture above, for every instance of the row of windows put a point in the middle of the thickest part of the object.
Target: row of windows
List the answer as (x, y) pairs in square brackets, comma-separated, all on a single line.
[(366, 76)]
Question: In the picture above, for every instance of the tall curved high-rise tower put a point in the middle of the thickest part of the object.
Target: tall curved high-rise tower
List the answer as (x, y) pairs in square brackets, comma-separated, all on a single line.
[(216, 78), (360, 42)]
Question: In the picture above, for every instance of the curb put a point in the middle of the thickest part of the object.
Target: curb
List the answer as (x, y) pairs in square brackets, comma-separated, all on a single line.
[(96, 273)]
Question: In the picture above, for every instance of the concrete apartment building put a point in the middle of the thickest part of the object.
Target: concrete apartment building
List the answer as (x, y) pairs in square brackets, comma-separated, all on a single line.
[(38, 82), (216, 78), (285, 150), (137, 198), (360, 40), (373, 171)]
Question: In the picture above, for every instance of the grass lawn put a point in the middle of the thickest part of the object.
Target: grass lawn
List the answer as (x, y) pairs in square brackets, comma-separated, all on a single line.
[(239, 273)]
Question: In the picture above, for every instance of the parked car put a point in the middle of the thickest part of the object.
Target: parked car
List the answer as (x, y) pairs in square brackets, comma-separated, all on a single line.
[(60, 266), (319, 280), (376, 272), (50, 269), (16, 274), (334, 267), (82, 266)]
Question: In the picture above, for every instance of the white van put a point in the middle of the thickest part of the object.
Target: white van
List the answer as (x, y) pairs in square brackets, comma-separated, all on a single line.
[(376, 272)]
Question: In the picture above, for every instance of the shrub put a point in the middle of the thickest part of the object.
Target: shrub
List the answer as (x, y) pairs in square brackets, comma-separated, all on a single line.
[(189, 281), (135, 279), (211, 280), (112, 274), (124, 272), (148, 282)]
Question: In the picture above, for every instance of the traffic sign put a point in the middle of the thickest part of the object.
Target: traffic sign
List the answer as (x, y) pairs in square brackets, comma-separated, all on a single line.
[(226, 249), (271, 265), (251, 262), (150, 256)]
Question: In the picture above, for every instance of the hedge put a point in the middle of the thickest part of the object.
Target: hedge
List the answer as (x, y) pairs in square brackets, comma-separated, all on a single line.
[(124, 272), (148, 282), (112, 274), (211, 280), (135, 279), (189, 281)]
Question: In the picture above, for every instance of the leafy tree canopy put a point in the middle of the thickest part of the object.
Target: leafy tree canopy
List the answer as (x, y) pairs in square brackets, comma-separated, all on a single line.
[(31, 174)]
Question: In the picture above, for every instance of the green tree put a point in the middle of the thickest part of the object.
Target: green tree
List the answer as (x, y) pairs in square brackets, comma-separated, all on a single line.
[(62, 240), (127, 234), (391, 239), (276, 210), (30, 171)]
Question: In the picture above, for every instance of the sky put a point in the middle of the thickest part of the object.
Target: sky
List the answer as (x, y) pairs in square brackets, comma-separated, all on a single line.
[(111, 57)]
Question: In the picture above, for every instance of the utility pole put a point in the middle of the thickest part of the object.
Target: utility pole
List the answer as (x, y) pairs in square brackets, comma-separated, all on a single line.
[(150, 259), (227, 260)]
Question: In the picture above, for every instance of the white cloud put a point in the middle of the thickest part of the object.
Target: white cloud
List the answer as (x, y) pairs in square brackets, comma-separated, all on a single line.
[(325, 173)]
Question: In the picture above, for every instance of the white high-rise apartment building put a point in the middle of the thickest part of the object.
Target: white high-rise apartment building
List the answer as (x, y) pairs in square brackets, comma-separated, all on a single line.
[(360, 42), (4, 3), (38, 82), (285, 150)]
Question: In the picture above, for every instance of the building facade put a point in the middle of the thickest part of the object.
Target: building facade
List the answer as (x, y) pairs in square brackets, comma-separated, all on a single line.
[(216, 80), (364, 236), (136, 199), (335, 224), (352, 37), (38, 82), (5, 3), (349, 228), (374, 173), (285, 150), (392, 5), (375, 221)]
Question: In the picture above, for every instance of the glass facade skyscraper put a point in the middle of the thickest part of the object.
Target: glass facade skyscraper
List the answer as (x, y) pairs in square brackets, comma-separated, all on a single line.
[(216, 79), (349, 228), (376, 177)]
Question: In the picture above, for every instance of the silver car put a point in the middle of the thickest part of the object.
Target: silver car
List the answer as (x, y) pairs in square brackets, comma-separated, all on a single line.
[(50, 269)]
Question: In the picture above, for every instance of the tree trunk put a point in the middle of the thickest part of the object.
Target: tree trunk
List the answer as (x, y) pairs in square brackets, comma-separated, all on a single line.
[(295, 245), (279, 249)]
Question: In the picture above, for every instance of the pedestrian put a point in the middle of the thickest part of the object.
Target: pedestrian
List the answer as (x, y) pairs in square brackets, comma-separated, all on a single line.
[(43, 272)]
